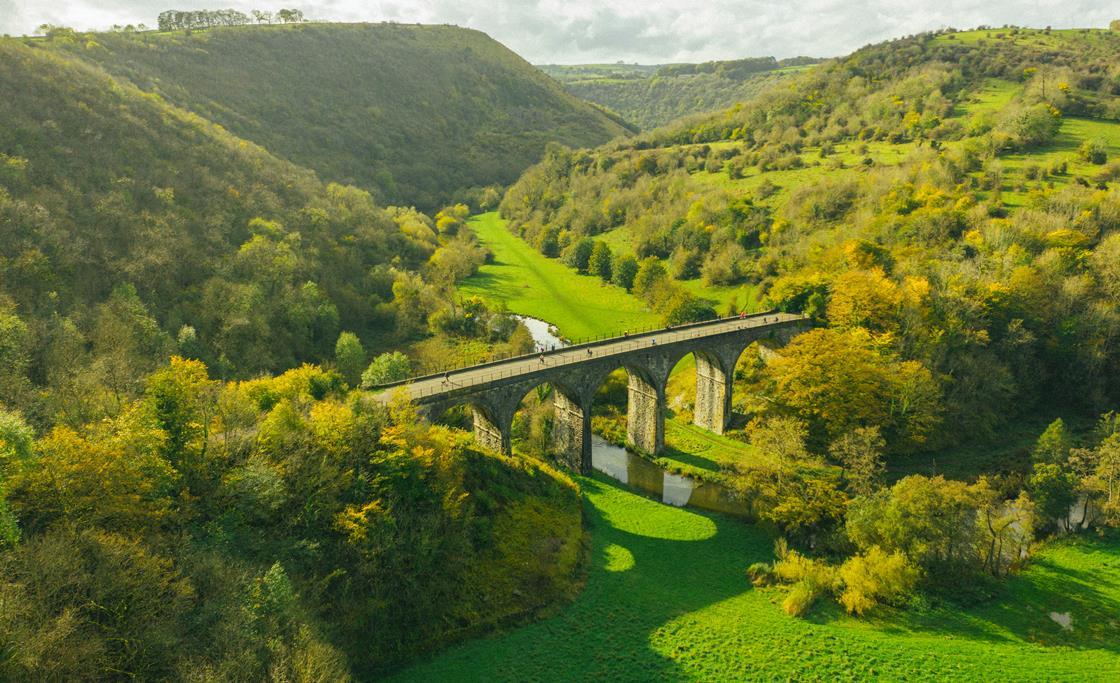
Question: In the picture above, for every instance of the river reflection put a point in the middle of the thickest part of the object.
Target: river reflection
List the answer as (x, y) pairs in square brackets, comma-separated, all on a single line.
[(671, 489), (542, 333)]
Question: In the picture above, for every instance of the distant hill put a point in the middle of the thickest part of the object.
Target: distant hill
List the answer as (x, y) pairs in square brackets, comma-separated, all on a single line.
[(654, 95), (412, 113)]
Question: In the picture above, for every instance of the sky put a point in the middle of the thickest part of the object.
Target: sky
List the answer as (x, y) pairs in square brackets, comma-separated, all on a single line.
[(645, 31)]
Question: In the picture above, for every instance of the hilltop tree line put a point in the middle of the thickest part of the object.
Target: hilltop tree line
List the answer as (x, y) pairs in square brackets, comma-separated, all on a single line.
[(177, 20), (736, 69)]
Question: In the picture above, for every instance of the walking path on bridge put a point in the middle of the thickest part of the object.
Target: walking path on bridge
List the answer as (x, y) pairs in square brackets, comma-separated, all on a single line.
[(422, 387)]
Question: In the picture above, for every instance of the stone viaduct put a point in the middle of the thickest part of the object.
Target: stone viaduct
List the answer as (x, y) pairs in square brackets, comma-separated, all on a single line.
[(495, 390)]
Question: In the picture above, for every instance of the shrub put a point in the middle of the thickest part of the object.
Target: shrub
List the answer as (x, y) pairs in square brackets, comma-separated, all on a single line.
[(761, 573), (1094, 151), (875, 577), (801, 598)]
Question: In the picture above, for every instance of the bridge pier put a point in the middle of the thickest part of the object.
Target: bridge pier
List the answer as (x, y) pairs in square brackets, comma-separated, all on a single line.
[(645, 414), (571, 432), (712, 410), (490, 435)]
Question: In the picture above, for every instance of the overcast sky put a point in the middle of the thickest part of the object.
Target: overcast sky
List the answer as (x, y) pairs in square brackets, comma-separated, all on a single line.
[(647, 31)]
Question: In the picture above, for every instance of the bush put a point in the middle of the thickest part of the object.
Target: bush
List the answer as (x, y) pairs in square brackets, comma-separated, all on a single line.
[(761, 573), (875, 577), (1094, 151)]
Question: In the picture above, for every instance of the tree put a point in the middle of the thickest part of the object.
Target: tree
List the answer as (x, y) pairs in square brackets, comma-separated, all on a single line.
[(113, 476), (624, 268), (864, 298), (1053, 444), (860, 451), (685, 308), (289, 16), (1098, 470), (15, 451), (350, 357), (386, 368), (85, 604), (650, 276), (930, 520), (601, 261), (1114, 25), (836, 383), (1033, 125), (783, 439), (578, 255), (1007, 527), (183, 399), (1054, 490)]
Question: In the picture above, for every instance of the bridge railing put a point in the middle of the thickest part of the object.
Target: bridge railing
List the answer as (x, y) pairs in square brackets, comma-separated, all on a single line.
[(516, 365)]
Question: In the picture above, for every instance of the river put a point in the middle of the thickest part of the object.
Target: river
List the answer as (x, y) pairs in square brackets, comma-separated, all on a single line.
[(637, 472)]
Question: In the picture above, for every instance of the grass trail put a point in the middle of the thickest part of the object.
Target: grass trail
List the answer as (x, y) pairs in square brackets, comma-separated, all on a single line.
[(530, 284)]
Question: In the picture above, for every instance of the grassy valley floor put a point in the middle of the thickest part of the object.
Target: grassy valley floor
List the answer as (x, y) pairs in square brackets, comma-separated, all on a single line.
[(530, 284), (668, 599)]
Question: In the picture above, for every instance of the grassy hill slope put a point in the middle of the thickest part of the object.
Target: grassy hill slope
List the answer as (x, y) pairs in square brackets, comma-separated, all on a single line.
[(980, 167), (412, 113), (134, 229)]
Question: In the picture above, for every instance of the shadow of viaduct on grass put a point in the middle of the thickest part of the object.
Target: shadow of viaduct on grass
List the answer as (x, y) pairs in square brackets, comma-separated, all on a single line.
[(652, 565), (649, 565)]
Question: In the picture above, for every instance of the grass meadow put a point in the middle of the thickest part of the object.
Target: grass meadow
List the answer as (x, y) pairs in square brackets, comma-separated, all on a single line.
[(667, 599)]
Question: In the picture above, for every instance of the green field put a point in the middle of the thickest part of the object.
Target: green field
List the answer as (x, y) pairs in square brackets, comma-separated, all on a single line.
[(667, 599), (531, 284)]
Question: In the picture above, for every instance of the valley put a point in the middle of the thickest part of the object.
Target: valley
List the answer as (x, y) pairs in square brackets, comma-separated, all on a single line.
[(857, 418)]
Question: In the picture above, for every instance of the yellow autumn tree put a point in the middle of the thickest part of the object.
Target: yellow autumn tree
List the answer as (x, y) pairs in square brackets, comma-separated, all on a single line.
[(865, 298)]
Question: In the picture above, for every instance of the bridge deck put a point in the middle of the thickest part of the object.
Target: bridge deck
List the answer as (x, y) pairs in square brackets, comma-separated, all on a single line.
[(432, 385)]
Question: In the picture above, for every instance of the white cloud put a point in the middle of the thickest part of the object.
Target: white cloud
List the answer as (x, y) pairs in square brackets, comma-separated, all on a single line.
[(653, 31)]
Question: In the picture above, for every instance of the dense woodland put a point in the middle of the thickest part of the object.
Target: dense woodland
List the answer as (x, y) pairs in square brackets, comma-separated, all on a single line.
[(414, 115), (650, 97)]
